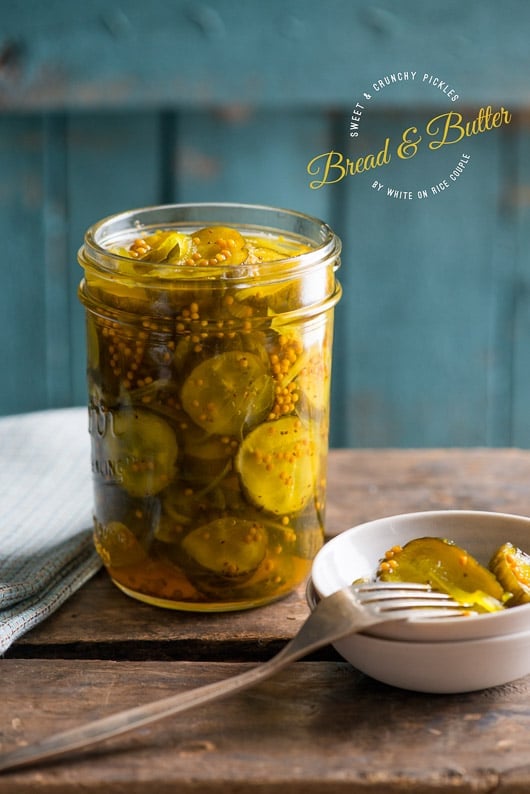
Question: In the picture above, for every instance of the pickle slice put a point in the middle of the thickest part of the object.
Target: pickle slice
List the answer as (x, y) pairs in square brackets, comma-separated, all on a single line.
[(144, 449), (268, 250), (205, 456), (179, 505), (92, 343), (161, 247), (511, 566), (117, 546), (120, 292), (278, 463), (297, 540), (217, 244), (313, 380), (228, 393), (446, 567), (227, 547)]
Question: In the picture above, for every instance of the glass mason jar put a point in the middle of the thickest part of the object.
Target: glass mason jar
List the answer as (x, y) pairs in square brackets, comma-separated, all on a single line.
[(208, 380)]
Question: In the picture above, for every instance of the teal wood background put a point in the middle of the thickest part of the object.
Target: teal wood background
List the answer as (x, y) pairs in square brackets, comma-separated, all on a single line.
[(111, 104)]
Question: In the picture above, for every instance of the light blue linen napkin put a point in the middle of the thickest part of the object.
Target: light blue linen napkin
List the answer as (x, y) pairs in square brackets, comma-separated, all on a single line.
[(46, 547)]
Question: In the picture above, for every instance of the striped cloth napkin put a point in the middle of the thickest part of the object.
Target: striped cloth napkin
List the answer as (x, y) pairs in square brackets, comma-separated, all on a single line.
[(46, 548)]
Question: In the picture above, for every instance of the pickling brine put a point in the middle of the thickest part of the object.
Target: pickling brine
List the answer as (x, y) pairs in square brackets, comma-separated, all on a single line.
[(209, 335)]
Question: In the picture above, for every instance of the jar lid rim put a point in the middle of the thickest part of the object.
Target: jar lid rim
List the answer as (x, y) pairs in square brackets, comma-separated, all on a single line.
[(114, 228)]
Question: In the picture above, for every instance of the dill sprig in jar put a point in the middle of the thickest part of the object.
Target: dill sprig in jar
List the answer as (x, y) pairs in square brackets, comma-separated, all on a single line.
[(209, 335)]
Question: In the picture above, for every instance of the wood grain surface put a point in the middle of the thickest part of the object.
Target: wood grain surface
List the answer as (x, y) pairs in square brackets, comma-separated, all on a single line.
[(112, 105), (126, 54), (362, 485), (320, 727)]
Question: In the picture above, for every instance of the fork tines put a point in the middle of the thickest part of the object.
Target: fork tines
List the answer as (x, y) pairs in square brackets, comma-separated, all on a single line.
[(389, 596)]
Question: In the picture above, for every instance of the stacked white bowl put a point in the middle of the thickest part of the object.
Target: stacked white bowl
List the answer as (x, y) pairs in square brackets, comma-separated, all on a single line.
[(438, 656)]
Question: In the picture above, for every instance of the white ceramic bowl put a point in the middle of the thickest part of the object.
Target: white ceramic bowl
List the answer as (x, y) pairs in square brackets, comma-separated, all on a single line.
[(356, 552), (437, 667)]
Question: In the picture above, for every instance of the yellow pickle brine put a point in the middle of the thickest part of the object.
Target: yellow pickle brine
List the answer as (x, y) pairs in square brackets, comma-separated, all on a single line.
[(209, 335)]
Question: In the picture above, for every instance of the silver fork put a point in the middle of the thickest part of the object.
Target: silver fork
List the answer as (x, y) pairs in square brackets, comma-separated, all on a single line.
[(349, 610)]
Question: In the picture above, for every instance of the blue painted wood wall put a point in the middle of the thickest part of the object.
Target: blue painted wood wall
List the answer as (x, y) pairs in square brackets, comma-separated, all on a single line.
[(111, 104)]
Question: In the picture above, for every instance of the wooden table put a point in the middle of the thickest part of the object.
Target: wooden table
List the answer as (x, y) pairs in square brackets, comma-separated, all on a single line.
[(319, 727)]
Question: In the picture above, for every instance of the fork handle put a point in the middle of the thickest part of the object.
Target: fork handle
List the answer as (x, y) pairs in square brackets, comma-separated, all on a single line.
[(327, 623), (98, 730)]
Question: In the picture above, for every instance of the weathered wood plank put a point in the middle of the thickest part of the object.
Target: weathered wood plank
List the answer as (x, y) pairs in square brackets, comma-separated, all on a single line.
[(101, 622), (377, 740), (115, 163), (518, 200), (418, 343), (435, 301), (422, 320), (56, 298), (23, 338), (269, 739), (363, 484), (253, 156), (125, 53), (368, 484)]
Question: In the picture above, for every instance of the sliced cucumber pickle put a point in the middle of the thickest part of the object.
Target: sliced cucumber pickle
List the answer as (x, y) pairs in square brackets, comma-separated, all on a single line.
[(511, 566), (268, 253), (446, 567), (117, 546), (278, 465), (227, 547), (144, 448), (205, 456), (121, 292), (272, 250), (92, 343), (297, 540), (179, 505), (228, 393), (160, 247), (218, 244), (313, 382)]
